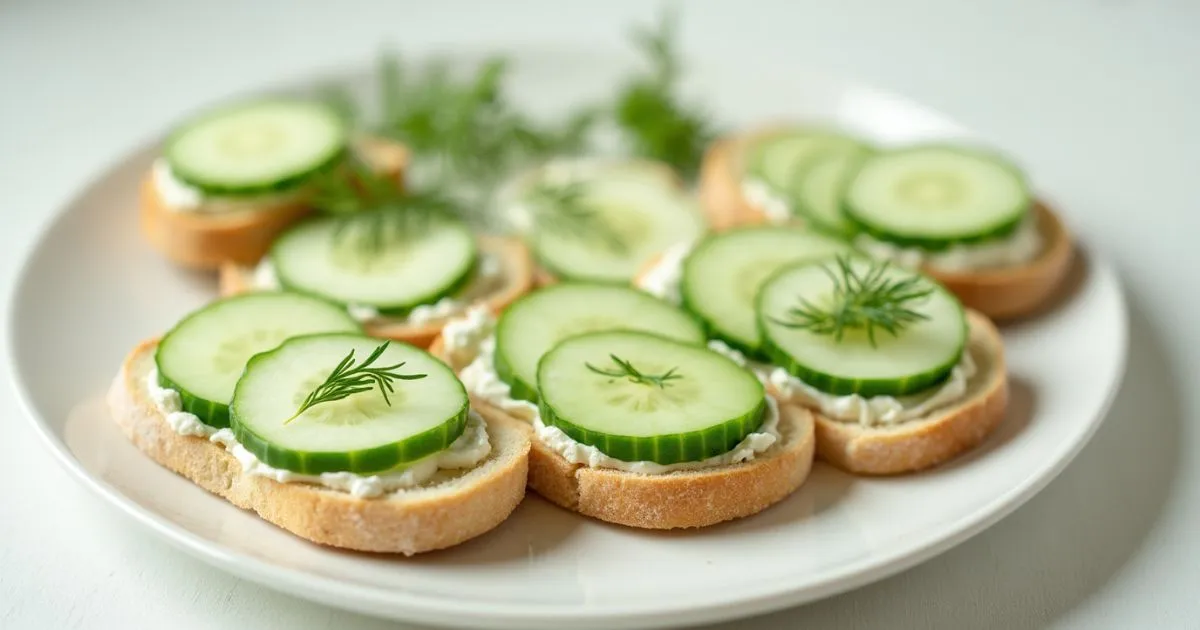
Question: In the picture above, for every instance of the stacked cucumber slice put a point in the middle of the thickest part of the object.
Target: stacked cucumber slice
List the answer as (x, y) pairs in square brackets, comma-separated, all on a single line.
[(203, 356), (928, 196), (419, 408), (391, 259), (643, 397), (722, 276), (605, 224), (856, 326), (934, 196), (258, 147), (535, 323)]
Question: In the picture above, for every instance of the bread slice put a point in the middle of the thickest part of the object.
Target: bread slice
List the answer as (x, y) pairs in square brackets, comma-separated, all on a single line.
[(682, 499), (1002, 293), (205, 240), (517, 269), (927, 442), (443, 513)]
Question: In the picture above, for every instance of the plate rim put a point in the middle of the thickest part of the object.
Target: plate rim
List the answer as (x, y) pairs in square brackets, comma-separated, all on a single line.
[(440, 610)]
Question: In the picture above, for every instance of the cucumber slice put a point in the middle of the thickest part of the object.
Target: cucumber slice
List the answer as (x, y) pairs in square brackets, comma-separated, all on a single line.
[(818, 189), (391, 260), (204, 354), (533, 324), (362, 433), (935, 195), (776, 158), (256, 147), (608, 229), (642, 397), (919, 356), (722, 276)]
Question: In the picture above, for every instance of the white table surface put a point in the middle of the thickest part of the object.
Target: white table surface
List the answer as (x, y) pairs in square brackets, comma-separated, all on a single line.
[(1100, 98)]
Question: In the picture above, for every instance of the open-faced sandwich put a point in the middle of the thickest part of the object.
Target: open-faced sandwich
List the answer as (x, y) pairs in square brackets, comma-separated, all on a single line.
[(277, 402), (899, 375), (230, 180), (400, 271), (962, 215), (599, 220), (635, 420)]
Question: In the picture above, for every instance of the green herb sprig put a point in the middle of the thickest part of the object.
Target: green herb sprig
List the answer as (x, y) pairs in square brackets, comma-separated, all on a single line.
[(649, 110), (563, 209), (861, 301), (348, 379), (625, 369)]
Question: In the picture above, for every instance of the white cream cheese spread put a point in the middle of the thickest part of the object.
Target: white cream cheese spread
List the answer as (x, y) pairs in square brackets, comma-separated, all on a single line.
[(472, 447), (470, 341), (663, 279), (1021, 246), (871, 411), (763, 197)]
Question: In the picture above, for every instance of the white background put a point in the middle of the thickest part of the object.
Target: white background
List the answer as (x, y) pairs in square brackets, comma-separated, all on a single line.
[(1099, 98)]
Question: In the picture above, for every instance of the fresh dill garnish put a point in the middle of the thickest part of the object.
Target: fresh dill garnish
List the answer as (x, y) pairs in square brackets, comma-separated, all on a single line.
[(348, 379), (563, 209), (649, 110), (625, 369), (861, 301)]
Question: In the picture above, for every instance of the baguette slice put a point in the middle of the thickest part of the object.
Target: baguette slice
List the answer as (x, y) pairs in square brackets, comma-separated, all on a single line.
[(517, 269), (1002, 293), (682, 499), (927, 442), (434, 516), (205, 240)]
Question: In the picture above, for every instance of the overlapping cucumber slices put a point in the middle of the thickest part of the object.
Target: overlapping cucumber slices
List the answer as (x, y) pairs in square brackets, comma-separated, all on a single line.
[(304, 390), (856, 326), (255, 148), (390, 259), (602, 221), (723, 274), (806, 168), (617, 369)]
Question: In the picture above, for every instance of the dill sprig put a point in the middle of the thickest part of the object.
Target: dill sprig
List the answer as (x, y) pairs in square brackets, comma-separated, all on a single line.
[(649, 110), (348, 379), (563, 209), (861, 301), (625, 369)]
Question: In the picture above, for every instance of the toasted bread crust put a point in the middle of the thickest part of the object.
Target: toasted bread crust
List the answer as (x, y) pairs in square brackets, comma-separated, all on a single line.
[(682, 499), (517, 267), (1002, 293), (924, 443), (407, 522), (205, 240)]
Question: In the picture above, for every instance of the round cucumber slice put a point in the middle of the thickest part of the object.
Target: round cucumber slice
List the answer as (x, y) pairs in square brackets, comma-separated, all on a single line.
[(608, 229), (256, 147), (533, 324), (920, 354), (936, 195), (390, 259), (642, 397), (775, 158), (362, 433), (722, 276), (205, 353), (818, 188)]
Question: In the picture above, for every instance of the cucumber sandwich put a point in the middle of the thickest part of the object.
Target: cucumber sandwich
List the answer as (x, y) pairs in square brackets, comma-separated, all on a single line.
[(232, 178), (401, 271), (635, 420), (277, 402), (900, 375), (600, 221), (964, 215)]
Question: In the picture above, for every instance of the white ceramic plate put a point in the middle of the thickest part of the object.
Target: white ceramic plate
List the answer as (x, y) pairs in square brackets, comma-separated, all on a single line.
[(91, 289)]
